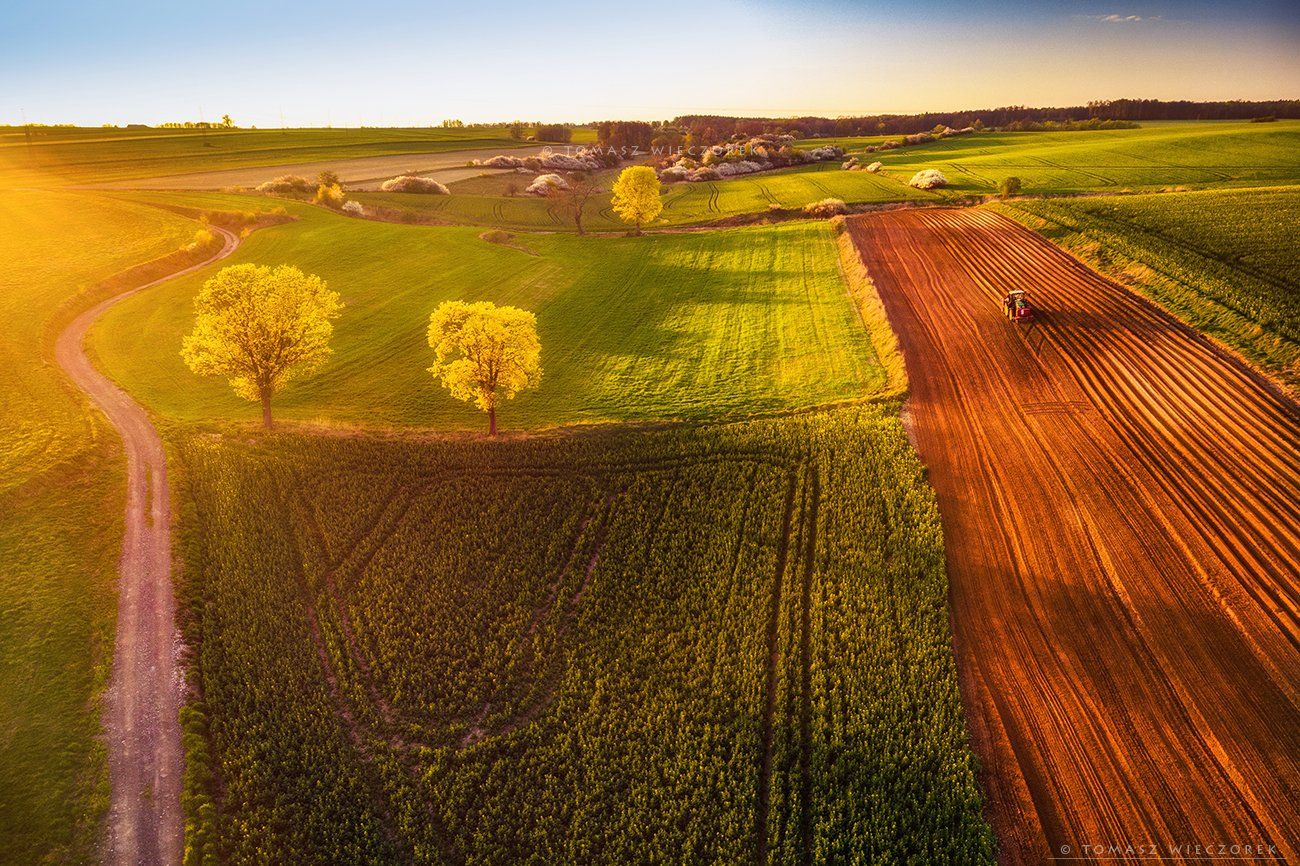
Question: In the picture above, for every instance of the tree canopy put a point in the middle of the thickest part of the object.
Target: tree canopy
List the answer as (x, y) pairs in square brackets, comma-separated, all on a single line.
[(261, 327), (636, 195), (485, 353)]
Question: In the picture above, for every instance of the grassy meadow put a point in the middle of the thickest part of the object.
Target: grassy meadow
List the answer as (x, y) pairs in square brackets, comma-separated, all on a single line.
[(61, 499), (1161, 156), (71, 155), (684, 203), (1157, 155), (706, 644), (688, 325), (1225, 261)]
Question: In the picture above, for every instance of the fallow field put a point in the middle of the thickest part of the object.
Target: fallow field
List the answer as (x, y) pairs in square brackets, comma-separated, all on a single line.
[(1225, 261)]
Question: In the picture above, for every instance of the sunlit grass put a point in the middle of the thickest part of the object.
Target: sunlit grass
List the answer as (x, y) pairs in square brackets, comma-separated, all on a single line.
[(61, 156), (686, 325), (1209, 154), (60, 520)]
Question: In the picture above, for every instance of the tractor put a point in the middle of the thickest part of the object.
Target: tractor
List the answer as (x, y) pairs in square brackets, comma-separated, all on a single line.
[(1016, 306)]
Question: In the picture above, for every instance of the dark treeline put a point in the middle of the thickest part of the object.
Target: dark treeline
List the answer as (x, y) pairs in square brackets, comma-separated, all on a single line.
[(717, 127), (629, 134)]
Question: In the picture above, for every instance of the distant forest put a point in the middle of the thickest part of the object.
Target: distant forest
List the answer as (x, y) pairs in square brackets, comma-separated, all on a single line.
[(901, 124)]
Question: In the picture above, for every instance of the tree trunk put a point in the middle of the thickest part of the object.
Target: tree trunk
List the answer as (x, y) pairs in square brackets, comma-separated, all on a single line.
[(577, 220), (492, 421), (266, 408)]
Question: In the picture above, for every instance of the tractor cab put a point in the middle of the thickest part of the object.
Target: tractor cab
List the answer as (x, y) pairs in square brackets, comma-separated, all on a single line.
[(1016, 306)]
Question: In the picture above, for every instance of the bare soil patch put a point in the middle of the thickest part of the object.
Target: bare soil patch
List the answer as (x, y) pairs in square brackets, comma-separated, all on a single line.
[(1121, 506)]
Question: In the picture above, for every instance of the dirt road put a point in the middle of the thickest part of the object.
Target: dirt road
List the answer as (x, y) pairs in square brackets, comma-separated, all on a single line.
[(363, 173), (1121, 506), (144, 695)]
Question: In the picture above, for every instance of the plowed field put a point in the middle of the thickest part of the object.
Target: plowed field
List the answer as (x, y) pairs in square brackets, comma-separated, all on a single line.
[(1121, 506)]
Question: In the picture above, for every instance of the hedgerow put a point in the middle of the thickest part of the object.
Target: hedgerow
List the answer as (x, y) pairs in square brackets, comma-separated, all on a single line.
[(694, 644)]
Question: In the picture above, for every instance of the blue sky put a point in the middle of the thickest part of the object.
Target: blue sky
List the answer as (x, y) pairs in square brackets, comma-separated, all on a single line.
[(414, 63)]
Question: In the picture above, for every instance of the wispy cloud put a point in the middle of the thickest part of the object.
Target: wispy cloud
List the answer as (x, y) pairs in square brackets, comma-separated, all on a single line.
[(1124, 19)]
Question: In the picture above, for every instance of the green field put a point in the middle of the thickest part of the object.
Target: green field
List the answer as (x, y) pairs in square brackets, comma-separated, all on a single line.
[(1160, 156), (61, 495), (693, 645), (60, 155), (677, 325), (1226, 261), (1209, 154), (684, 203)]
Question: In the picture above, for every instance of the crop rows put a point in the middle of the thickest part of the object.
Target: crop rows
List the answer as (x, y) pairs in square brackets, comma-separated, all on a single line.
[(698, 645), (1224, 261)]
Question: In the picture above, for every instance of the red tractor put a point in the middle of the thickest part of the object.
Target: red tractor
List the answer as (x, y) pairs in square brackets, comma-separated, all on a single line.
[(1016, 306)]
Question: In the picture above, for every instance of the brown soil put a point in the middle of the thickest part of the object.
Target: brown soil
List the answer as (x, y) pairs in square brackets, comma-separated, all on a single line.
[(1121, 506)]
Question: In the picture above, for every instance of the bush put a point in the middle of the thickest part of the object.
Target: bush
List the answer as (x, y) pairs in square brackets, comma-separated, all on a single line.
[(497, 236), (827, 207), (706, 172), (875, 167), (202, 239), (737, 168), (1010, 186), (354, 208), (287, 183), (545, 184), (929, 178), (329, 196), (410, 183)]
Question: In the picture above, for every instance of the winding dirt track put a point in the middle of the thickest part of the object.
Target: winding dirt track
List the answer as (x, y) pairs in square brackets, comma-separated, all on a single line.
[(1121, 506), (142, 705)]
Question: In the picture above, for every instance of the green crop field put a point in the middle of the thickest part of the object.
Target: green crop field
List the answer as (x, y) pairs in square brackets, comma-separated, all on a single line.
[(1225, 261), (684, 203), (850, 143), (1210, 154), (1206, 154), (60, 155), (675, 325), (61, 501), (704, 644)]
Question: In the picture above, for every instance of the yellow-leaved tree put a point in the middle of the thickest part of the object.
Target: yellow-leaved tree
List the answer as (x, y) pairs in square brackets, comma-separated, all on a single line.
[(485, 353), (260, 328), (636, 195)]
